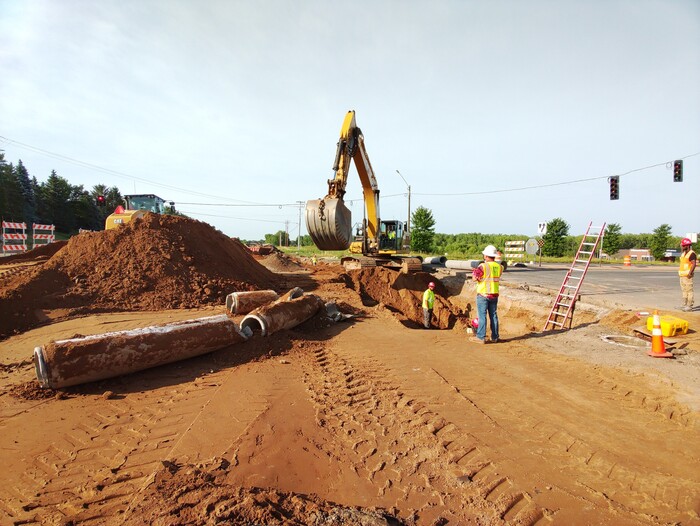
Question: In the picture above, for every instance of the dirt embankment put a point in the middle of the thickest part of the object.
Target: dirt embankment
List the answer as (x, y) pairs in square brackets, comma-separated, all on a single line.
[(155, 263)]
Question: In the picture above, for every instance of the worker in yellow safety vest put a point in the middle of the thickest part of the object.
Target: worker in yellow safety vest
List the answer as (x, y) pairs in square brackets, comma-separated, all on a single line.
[(428, 303), (487, 276), (686, 271)]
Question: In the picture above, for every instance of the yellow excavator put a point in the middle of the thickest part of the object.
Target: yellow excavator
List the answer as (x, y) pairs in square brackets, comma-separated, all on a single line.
[(329, 221), (137, 205)]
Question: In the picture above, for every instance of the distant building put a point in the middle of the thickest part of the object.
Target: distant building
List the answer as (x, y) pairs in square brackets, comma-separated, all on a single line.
[(635, 254)]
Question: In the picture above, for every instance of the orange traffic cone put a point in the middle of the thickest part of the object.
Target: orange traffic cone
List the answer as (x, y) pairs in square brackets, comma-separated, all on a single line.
[(658, 348)]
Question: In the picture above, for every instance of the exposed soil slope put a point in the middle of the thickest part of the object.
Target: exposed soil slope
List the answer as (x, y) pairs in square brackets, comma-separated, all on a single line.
[(158, 262)]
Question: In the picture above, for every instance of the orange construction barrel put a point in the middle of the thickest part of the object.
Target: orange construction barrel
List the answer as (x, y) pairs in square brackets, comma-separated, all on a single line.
[(628, 261)]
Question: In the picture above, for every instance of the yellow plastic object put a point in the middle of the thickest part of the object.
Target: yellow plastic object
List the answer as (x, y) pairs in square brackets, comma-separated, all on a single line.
[(670, 325)]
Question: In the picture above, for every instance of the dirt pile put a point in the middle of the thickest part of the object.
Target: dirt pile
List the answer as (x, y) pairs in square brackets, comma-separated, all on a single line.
[(403, 294), (155, 263), (199, 495), (37, 253), (278, 262)]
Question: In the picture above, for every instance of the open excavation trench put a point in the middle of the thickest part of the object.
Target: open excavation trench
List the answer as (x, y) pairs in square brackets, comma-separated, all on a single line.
[(369, 421)]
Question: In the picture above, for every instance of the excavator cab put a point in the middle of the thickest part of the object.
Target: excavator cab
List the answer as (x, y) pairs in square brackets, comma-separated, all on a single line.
[(137, 205)]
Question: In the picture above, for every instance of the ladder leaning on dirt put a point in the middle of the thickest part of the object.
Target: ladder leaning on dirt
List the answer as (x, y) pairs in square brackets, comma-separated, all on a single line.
[(563, 309)]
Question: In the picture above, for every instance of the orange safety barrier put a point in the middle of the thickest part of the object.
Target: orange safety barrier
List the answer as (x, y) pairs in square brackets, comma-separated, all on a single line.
[(628, 261)]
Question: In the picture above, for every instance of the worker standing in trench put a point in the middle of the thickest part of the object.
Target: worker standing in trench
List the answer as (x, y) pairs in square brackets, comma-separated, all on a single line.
[(428, 304), (487, 275)]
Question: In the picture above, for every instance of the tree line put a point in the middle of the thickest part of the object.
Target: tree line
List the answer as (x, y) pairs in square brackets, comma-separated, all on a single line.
[(71, 207), (55, 201)]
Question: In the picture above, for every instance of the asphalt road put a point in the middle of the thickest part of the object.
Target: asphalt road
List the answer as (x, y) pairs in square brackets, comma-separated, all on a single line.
[(636, 287)]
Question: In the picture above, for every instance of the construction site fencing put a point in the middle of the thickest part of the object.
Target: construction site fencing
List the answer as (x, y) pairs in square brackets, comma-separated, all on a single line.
[(43, 234), (14, 238), (514, 250)]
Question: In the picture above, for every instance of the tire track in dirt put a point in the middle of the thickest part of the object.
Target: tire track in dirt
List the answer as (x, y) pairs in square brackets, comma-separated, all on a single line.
[(127, 441), (398, 441), (606, 470)]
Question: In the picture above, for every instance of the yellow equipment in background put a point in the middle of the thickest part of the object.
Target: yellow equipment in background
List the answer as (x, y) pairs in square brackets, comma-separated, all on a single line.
[(136, 206), (329, 221)]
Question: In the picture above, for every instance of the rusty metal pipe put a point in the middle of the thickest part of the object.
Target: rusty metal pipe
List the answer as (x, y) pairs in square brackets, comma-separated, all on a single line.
[(90, 358), (246, 301), (281, 315)]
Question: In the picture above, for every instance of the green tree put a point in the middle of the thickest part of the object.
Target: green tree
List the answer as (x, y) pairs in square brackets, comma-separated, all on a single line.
[(555, 243), (10, 193), (613, 239), (423, 229), (279, 238), (660, 240), (28, 200), (56, 193)]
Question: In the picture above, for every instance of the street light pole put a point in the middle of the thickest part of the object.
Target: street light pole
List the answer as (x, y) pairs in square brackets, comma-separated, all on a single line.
[(408, 223)]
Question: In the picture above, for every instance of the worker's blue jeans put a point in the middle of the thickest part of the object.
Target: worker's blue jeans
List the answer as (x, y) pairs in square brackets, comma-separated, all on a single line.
[(483, 306)]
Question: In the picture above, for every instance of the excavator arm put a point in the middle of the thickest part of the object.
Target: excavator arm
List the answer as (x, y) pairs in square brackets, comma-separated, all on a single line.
[(328, 220)]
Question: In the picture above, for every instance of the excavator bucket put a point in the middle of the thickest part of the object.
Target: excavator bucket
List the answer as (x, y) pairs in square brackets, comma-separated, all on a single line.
[(329, 223)]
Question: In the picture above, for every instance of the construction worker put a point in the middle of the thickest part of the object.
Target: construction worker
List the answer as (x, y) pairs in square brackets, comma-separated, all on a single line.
[(686, 271), (314, 260), (428, 303), (487, 275)]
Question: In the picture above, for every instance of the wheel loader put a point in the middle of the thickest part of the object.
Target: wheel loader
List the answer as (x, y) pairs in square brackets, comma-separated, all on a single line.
[(137, 205), (329, 221)]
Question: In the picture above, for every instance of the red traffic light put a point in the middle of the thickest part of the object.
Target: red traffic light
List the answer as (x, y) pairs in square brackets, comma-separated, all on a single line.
[(678, 171)]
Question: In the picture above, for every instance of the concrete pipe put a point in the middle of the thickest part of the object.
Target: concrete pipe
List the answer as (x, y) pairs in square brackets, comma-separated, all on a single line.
[(296, 292), (281, 315), (86, 359), (467, 264), (246, 301), (435, 260)]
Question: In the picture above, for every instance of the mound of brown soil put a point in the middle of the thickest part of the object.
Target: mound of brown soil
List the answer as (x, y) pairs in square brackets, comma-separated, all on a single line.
[(38, 252), (403, 293), (199, 495), (278, 262), (158, 262)]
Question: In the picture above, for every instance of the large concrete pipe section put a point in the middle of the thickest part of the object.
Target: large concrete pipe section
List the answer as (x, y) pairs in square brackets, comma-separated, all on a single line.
[(86, 359), (435, 260), (246, 301), (281, 315), (466, 264)]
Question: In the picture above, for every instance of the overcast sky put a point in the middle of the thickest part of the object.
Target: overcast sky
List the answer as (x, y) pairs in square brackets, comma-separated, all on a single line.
[(240, 102)]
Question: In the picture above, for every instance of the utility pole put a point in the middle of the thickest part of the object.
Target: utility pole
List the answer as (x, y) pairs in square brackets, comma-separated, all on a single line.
[(408, 223), (301, 206), (286, 232)]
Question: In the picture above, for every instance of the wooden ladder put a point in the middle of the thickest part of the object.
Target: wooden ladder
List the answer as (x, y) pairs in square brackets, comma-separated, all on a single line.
[(562, 312)]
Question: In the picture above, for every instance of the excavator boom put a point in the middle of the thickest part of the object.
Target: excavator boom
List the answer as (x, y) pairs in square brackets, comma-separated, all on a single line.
[(328, 220)]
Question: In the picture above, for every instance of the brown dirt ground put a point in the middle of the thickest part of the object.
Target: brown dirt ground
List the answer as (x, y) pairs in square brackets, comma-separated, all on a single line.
[(372, 421)]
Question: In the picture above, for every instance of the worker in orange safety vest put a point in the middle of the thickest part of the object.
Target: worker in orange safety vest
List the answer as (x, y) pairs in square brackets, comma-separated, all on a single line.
[(686, 271)]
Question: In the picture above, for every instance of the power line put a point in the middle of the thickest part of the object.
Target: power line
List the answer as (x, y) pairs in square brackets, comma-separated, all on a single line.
[(665, 163), (110, 171), (229, 217)]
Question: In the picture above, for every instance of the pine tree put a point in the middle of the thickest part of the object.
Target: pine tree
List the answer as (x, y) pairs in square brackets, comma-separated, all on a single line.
[(27, 193), (423, 230)]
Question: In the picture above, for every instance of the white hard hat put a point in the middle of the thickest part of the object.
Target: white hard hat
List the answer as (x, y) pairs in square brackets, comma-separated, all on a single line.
[(490, 251)]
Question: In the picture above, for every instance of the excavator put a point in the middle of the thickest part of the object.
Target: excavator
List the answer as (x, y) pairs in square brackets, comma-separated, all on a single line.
[(329, 221), (137, 205)]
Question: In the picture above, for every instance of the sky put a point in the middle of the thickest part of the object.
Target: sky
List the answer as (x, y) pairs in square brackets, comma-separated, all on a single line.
[(500, 115)]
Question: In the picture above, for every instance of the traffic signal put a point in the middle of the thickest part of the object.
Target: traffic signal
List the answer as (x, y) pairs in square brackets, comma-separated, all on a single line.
[(614, 187), (101, 200), (677, 171)]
